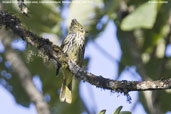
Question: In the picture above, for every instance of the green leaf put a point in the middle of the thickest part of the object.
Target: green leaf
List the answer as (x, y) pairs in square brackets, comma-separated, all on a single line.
[(102, 111), (159, 31), (143, 17), (117, 111), (125, 112)]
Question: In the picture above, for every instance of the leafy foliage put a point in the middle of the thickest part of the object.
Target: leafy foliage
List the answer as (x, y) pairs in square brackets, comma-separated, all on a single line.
[(140, 15), (117, 111)]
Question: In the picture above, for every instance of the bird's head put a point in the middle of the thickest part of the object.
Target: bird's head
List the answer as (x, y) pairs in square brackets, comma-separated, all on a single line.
[(77, 27)]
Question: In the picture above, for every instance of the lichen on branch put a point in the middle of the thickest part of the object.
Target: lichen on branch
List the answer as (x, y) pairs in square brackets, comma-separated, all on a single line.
[(54, 52)]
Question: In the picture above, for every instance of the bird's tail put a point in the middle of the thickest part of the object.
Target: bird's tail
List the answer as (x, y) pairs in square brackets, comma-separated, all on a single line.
[(66, 92)]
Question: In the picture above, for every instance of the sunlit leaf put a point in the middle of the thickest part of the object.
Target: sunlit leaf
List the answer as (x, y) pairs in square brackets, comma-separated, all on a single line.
[(125, 112), (117, 111), (143, 17), (102, 111)]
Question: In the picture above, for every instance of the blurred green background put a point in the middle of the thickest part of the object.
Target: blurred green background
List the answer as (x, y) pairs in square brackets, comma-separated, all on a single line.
[(143, 32)]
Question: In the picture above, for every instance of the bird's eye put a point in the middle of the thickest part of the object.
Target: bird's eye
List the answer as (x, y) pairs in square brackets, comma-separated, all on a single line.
[(82, 29)]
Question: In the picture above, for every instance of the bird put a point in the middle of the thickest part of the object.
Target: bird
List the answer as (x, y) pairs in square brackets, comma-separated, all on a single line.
[(74, 46)]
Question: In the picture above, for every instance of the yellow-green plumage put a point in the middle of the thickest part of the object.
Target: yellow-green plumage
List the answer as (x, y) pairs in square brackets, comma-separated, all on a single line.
[(73, 46)]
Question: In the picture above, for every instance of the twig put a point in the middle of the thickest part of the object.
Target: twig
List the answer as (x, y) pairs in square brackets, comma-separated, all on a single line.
[(23, 7)]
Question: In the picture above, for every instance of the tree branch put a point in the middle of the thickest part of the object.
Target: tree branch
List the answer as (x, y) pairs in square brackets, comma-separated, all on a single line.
[(54, 52)]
